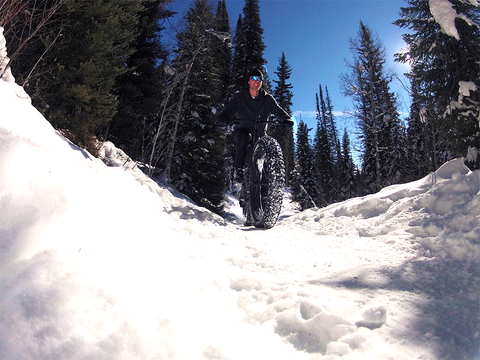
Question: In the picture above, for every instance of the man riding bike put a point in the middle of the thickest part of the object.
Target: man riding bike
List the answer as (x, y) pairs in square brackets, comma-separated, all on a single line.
[(253, 104)]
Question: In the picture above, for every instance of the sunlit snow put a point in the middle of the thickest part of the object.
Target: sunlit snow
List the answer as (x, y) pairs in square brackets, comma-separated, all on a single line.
[(98, 261), (445, 15)]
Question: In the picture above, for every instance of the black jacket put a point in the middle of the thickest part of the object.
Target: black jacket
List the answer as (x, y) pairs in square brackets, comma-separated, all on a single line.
[(244, 107)]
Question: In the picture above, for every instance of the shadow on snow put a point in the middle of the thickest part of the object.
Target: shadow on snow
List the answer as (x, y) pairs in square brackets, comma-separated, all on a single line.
[(450, 300)]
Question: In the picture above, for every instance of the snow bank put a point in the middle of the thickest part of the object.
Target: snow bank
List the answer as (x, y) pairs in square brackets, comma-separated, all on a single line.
[(440, 211), (95, 260)]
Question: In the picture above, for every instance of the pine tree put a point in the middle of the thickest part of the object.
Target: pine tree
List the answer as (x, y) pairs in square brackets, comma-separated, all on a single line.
[(198, 159), (283, 95), (393, 142), (446, 72), (249, 45), (140, 89), (295, 185), (334, 143), (239, 57), (225, 63), (223, 54), (347, 170), (419, 140), (84, 64), (322, 152), (253, 33), (368, 85), (330, 125), (306, 190)]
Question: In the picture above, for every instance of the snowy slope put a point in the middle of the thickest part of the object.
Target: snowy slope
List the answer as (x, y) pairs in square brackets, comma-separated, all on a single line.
[(100, 262)]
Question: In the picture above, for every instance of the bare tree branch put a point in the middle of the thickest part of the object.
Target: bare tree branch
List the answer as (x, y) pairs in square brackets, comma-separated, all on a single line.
[(23, 22)]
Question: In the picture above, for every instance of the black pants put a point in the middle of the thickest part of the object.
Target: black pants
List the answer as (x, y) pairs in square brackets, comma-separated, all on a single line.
[(242, 139), (242, 135)]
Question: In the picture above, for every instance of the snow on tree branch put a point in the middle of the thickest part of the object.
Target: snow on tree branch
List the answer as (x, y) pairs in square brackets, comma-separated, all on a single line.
[(445, 15)]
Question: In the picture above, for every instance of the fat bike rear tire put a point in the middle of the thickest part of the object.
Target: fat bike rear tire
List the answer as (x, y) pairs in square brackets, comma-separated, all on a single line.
[(267, 181)]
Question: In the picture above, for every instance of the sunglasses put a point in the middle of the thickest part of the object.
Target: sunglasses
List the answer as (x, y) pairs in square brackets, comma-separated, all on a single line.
[(256, 78)]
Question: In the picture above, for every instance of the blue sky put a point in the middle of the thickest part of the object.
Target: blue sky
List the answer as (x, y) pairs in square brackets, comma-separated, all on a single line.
[(314, 34)]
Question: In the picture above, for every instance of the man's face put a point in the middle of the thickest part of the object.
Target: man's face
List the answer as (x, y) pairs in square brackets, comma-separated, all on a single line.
[(255, 82)]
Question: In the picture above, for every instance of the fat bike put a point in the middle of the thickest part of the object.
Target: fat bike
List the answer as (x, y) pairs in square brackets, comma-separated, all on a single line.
[(263, 180)]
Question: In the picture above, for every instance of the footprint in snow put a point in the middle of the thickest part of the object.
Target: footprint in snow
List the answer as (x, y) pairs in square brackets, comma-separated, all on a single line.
[(372, 317)]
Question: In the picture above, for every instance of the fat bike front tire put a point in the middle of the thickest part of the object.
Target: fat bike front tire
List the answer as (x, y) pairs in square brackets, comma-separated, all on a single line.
[(267, 181)]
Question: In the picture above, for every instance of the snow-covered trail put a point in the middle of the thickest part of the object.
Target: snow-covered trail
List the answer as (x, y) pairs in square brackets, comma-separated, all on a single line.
[(97, 261), (332, 285)]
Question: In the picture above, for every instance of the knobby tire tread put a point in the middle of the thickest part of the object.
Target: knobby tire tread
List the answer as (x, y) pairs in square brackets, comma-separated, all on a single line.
[(267, 205)]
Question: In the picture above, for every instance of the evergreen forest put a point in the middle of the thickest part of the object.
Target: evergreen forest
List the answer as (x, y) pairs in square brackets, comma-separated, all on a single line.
[(101, 70)]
